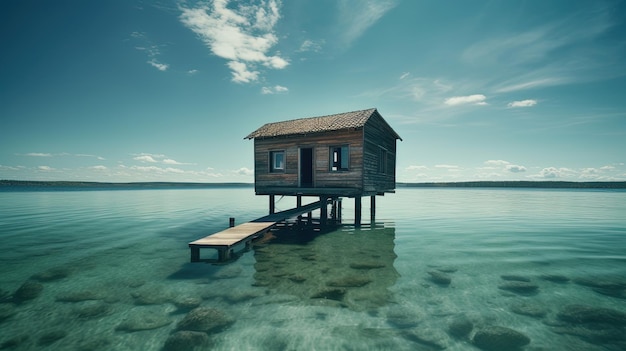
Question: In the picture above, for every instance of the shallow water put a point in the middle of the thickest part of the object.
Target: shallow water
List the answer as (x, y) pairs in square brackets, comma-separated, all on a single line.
[(113, 271)]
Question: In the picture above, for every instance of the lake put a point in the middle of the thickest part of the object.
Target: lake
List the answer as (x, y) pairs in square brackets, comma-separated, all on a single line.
[(460, 269)]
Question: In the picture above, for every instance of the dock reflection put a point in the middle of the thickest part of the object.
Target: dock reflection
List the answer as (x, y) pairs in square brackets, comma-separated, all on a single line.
[(347, 267)]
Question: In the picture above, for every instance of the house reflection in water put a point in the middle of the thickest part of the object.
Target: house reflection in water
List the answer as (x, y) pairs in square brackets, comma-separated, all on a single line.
[(346, 267)]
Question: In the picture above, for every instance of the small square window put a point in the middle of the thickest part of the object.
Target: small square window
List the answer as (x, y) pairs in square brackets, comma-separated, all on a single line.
[(277, 161), (339, 158)]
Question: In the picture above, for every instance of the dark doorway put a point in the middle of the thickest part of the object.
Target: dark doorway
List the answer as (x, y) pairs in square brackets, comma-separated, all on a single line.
[(306, 167)]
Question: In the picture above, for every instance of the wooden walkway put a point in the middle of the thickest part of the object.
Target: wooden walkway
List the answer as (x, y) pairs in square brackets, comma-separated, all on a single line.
[(226, 240)]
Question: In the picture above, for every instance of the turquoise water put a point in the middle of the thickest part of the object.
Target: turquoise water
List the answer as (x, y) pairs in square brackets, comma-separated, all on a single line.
[(109, 270)]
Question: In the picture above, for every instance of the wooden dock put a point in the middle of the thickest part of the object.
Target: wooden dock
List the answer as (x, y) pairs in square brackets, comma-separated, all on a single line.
[(225, 241)]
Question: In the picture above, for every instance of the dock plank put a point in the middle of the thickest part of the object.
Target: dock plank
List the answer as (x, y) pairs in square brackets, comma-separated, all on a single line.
[(224, 240)]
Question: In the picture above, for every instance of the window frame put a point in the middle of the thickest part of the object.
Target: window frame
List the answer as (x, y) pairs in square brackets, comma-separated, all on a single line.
[(272, 161), (343, 158)]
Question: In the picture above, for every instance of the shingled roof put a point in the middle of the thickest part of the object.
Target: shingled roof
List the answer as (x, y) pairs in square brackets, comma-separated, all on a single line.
[(340, 121)]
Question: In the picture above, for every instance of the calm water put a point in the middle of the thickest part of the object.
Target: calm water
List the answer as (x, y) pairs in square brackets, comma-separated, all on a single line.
[(109, 270)]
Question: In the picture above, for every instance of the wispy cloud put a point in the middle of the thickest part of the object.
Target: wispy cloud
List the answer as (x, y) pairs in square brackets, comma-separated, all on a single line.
[(38, 154), (158, 65), (476, 99), (504, 166), (244, 171), (359, 15), (142, 43), (157, 158), (145, 158), (311, 45), (567, 50), (523, 103), (241, 34), (274, 90)]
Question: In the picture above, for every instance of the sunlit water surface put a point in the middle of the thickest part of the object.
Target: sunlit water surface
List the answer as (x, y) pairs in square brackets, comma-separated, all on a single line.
[(109, 270)]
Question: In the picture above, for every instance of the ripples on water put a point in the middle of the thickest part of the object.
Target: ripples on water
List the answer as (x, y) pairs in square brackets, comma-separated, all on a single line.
[(114, 272)]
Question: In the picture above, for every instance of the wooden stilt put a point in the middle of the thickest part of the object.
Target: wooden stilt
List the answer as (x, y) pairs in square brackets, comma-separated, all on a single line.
[(195, 254), (373, 210), (231, 222), (272, 204), (357, 211), (298, 201), (339, 210), (323, 210)]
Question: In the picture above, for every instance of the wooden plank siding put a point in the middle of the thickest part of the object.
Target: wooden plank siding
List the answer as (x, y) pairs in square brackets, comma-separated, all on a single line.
[(377, 137), (321, 143)]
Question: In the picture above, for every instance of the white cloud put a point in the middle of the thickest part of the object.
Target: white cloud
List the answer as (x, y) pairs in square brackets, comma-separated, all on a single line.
[(192, 72), (553, 172), (523, 103), (241, 74), (145, 158), (169, 161), (45, 168), (244, 171), (515, 168), (497, 163), (416, 168), (476, 99), (160, 66), (174, 170), (311, 45), (99, 168), (448, 167), (405, 75), (242, 34), (38, 154), (274, 90)]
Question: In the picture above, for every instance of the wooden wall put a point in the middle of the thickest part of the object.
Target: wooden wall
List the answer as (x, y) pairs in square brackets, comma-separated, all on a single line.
[(378, 134), (321, 142)]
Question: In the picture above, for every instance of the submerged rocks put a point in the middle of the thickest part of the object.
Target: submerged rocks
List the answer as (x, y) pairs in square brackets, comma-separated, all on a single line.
[(515, 278), (28, 291), (498, 338), (78, 296), (366, 265), (460, 327), (349, 282), (7, 311), (555, 278), (519, 287), (588, 314), (186, 340), (330, 294), (205, 319), (51, 337), (593, 324), (92, 310), (529, 309), (143, 319), (52, 274), (187, 303), (439, 277)]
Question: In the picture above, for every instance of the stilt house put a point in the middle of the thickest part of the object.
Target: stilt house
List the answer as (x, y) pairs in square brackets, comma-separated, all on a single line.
[(350, 154)]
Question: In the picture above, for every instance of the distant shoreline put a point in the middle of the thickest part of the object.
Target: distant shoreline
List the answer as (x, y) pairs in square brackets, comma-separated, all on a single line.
[(77, 185)]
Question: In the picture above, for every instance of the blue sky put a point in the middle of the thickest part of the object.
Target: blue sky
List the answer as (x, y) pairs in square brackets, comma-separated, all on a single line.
[(127, 91)]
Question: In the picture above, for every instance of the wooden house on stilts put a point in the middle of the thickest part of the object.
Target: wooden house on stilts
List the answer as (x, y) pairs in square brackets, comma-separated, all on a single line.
[(350, 154)]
